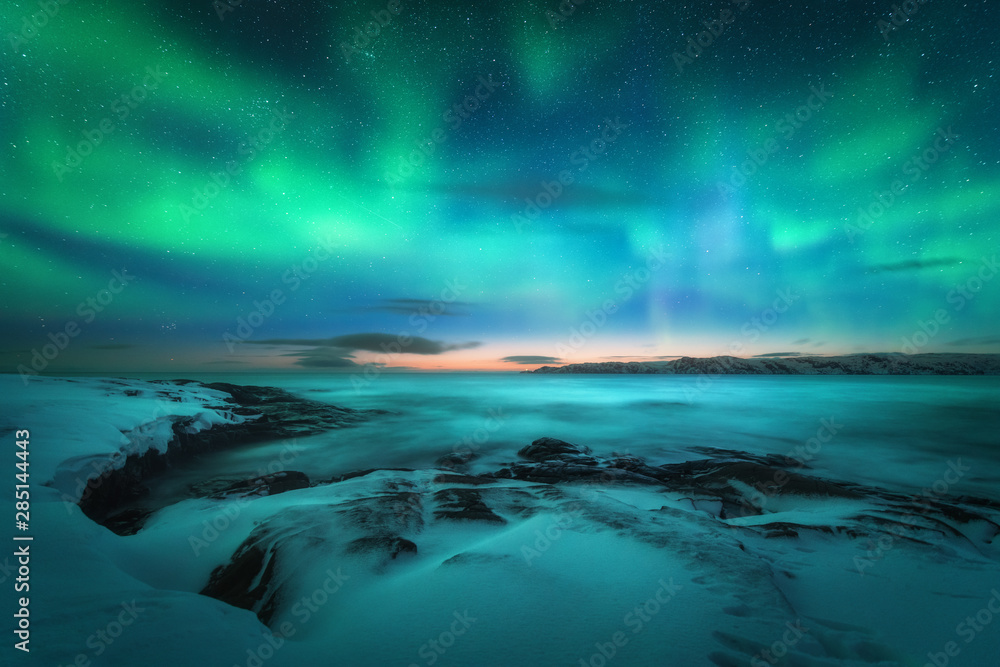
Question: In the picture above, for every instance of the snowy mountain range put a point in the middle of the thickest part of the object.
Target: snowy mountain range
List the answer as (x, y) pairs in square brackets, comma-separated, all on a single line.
[(854, 364)]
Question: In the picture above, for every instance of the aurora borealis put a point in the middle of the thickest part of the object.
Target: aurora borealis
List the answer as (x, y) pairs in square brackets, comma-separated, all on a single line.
[(321, 185)]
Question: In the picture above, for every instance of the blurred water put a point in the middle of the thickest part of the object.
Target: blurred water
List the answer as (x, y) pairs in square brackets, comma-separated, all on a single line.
[(894, 431)]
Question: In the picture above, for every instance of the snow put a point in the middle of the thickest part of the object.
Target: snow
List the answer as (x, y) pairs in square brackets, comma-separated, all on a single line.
[(97, 425), (550, 586)]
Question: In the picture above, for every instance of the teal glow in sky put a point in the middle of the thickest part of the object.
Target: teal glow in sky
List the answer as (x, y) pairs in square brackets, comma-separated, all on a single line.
[(199, 186)]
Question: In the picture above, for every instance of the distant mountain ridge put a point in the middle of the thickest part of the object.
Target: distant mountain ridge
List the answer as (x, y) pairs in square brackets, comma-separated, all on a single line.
[(854, 364)]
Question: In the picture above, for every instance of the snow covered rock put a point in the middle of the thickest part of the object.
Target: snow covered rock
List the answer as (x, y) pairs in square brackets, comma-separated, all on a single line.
[(855, 364)]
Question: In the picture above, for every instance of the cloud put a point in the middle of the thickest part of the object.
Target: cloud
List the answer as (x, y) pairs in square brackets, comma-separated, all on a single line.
[(338, 352), (112, 346), (778, 354), (801, 341), (324, 357), (530, 360), (913, 264), (313, 360), (225, 362), (374, 342)]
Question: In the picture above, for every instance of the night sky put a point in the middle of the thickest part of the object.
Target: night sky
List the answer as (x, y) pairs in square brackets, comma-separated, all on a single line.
[(267, 185)]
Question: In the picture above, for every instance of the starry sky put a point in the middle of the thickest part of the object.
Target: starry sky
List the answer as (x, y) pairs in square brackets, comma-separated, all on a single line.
[(265, 185)]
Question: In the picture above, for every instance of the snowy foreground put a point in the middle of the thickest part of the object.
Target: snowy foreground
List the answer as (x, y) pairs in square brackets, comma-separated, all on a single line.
[(555, 556)]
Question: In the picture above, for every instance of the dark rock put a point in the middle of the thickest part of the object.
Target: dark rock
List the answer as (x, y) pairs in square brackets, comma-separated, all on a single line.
[(389, 545), (291, 415), (780, 529), (387, 513), (463, 479), (255, 576), (464, 505), (455, 460), (266, 485), (551, 449), (359, 473), (773, 481), (628, 462), (558, 472), (234, 583), (129, 521), (475, 559)]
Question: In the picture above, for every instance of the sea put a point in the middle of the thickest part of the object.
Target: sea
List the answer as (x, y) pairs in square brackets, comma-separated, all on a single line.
[(896, 432)]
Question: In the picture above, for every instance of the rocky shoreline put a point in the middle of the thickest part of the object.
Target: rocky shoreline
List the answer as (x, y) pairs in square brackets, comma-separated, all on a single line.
[(552, 475), (386, 522), (269, 414), (755, 533)]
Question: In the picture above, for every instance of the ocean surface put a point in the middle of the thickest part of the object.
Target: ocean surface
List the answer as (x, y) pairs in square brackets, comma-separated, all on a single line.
[(896, 432)]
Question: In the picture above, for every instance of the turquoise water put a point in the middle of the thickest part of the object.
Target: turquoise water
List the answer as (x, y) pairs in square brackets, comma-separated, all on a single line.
[(899, 432)]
